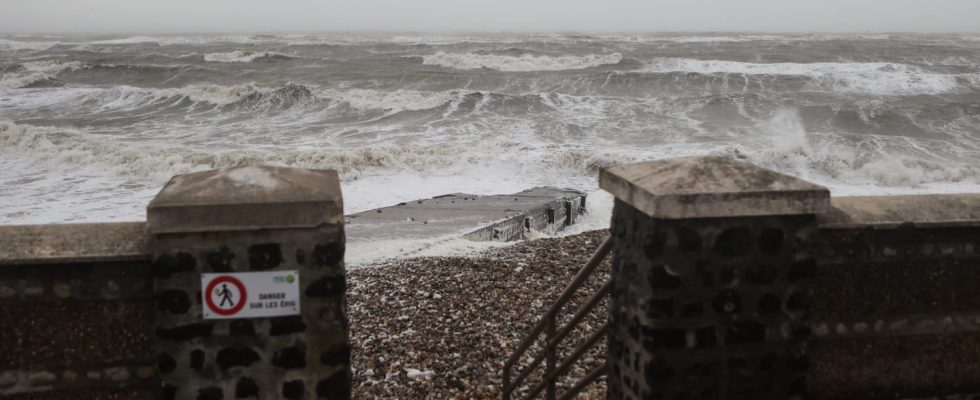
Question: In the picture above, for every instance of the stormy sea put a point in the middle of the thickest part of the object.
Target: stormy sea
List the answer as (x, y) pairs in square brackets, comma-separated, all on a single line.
[(92, 126)]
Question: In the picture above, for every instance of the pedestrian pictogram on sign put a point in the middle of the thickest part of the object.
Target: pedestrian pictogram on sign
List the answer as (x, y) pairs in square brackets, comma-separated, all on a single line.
[(250, 294), (226, 295)]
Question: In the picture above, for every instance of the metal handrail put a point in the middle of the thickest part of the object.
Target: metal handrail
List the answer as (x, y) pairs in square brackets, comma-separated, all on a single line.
[(552, 338), (579, 351), (594, 374)]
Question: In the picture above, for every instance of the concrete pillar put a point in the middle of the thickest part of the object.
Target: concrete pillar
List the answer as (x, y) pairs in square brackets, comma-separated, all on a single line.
[(249, 219), (712, 274)]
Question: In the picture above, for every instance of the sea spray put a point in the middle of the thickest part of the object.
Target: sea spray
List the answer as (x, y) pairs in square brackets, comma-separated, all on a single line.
[(788, 132)]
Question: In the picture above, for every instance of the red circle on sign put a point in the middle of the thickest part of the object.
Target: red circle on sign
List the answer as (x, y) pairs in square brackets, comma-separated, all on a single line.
[(226, 279)]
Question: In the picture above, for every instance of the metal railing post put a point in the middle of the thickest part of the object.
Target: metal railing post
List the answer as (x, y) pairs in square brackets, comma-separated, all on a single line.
[(550, 358), (506, 388)]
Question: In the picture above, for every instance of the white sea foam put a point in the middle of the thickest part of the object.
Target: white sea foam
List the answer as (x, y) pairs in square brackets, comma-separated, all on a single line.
[(136, 39), (67, 148), (364, 253), (709, 39), (176, 40), (522, 63), (9, 44), (18, 80), (878, 164), (877, 78), (480, 166), (399, 99), (215, 94), (366, 99), (717, 39), (446, 39), (52, 66), (47, 44), (487, 133), (127, 97), (406, 172), (36, 71), (243, 56), (123, 97)]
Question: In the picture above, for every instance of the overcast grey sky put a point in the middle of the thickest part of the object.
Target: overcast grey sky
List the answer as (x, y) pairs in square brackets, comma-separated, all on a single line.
[(161, 16)]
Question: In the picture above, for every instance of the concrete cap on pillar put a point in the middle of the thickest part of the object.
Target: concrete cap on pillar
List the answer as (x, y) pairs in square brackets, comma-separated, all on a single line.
[(246, 198), (711, 187)]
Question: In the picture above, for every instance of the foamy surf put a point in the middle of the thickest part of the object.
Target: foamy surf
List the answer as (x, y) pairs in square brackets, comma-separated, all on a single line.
[(876, 78), (521, 63), (36, 71), (888, 164), (240, 56), (26, 45), (364, 253), (254, 95), (68, 148), (400, 99), (93, 126)]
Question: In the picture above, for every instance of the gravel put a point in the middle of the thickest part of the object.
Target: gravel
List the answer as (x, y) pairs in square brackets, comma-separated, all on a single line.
[(442, 327)]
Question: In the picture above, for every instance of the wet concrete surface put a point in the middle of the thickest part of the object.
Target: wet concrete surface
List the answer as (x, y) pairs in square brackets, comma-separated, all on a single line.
[(494, 217)]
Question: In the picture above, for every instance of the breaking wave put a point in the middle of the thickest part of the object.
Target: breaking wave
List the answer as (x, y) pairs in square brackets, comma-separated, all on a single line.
[(880, 161), (128, 98), (245, 56), (400, 99), (8, 44), (139, 68), (521, 63), (702, 39), (214, 94), (45, 73), (255, 96), (875, 78), (785, 145), (67, 148), (290, 94), (281, 98), (35, 72)]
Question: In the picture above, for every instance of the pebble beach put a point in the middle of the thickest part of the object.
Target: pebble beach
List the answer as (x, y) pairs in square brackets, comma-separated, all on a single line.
[(443, 327)]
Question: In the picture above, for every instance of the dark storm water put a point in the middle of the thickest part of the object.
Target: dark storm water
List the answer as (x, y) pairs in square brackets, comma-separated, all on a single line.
[(90, 127)]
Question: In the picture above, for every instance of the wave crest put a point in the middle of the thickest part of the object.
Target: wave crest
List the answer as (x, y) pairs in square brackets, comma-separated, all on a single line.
[(8, 44), (240, 56), (400, 99), (834, 159), (66, 148), (284, 97), (519, 63), (36, 73), (876, 78)]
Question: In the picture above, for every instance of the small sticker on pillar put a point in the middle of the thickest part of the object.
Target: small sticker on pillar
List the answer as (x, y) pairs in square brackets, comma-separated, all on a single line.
[(250, 294)]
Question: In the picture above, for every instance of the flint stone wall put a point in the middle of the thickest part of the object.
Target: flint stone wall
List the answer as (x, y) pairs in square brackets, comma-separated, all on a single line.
[(249, 219), (709, 308), (897, 309), (113, 311), (76, 312), (844, 298), (292, 357)]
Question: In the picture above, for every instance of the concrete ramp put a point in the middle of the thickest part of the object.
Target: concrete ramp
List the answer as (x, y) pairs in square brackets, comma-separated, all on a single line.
[(479, 218)]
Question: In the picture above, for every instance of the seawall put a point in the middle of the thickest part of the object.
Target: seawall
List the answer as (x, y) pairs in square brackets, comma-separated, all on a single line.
[(745, 281)]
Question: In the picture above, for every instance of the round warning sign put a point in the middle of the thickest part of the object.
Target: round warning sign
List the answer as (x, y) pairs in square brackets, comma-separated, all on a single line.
[(225, 295)]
